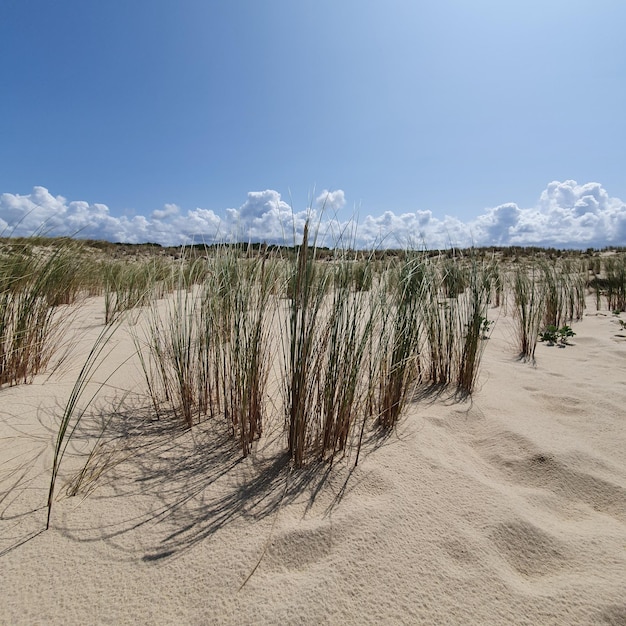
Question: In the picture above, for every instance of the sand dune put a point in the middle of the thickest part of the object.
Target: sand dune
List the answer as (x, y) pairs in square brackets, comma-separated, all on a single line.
[(506, 508)]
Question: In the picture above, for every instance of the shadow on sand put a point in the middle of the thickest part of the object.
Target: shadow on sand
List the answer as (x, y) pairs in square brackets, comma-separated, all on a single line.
[(196, 480)]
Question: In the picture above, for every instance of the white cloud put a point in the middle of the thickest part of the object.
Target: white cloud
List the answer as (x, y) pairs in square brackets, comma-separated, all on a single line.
[(497, 225), (169, 210), (566, 215), (331, 200), (264, 216)]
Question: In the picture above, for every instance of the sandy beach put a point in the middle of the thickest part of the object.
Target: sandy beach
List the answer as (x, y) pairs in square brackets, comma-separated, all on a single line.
[(505, 508), (312, 313)]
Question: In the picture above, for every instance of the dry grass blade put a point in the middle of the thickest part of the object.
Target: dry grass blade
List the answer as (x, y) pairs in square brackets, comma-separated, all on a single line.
[(73, 413)]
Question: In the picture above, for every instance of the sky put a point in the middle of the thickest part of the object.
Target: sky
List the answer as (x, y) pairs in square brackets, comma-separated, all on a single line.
[(387, 122)]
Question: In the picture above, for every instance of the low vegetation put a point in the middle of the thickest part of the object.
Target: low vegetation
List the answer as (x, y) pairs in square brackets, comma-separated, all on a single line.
[(333, 343)]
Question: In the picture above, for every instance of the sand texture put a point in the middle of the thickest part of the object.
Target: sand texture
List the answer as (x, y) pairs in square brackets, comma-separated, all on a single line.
[(506, 508)]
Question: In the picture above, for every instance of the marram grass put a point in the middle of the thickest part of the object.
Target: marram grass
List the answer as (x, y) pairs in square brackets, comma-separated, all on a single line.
[(348, 338)]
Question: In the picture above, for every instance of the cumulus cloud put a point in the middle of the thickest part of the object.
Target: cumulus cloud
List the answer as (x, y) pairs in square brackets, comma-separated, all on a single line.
[(566, 215), (498, 224), (264, 216), (331, 200), (169, 210)]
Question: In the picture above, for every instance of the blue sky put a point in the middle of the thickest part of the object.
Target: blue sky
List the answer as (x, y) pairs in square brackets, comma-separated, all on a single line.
[(490, 121)]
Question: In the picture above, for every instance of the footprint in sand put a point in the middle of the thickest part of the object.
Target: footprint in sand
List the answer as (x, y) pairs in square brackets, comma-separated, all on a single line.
[(301, 547), (555, 375), (524, 464), (529, 550), (371, 484), (458, 550), (564, 405), (614, 616), (544, 471)]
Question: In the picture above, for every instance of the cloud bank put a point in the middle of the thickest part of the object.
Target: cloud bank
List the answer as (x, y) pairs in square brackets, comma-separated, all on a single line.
[(567, 215)]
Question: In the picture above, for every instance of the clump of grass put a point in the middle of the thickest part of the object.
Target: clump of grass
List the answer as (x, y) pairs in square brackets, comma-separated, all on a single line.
[(496, 280), (347, 334), (472, 317), (332, 321), (33, 286), (615, 282), (529, 307), (554, 293), (304, 349), (172, 352), (576, 290), (128, 285), (241, 310), (564, 292), (397, 351), (362, 273), (441, 324), (452, 312), (208, 348), (454, 276), (171, 340)]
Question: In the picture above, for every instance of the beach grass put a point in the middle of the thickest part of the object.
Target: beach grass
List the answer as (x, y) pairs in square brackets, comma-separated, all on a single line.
[(346, 336)]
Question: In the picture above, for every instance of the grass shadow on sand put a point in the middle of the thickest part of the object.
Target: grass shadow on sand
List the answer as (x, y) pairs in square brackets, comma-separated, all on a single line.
[(23, 475), (191, 483)]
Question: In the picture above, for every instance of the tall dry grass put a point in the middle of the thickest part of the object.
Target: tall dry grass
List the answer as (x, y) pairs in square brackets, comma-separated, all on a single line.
[(206, 349), (36, 288), (612, 284), (348, 329), (239, 311), (304, 346), (396, 351), (528, 308), (128, 285), (473, 312)]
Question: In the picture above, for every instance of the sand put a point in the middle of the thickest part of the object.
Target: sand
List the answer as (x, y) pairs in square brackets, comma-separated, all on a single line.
[(507, 508)]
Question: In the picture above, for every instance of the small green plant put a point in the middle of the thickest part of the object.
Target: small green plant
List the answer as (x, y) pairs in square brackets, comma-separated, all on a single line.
[(553, 335), (485, 327)]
